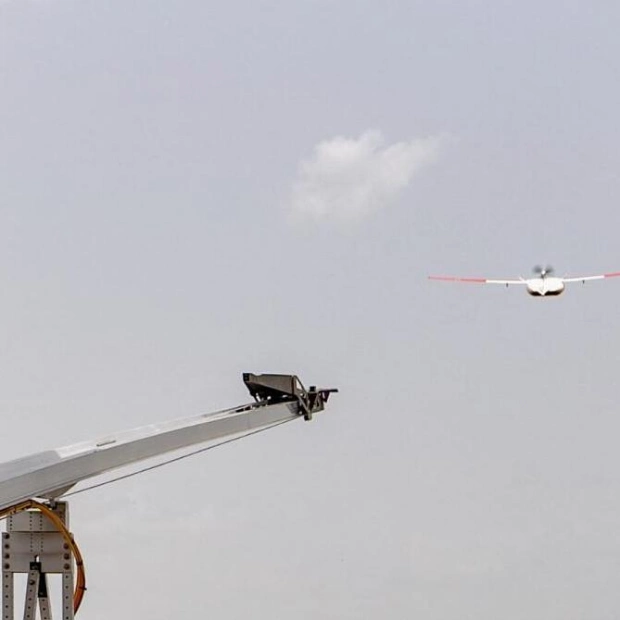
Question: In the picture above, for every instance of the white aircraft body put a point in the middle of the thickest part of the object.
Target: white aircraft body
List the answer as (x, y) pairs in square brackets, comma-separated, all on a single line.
[(542, 285)]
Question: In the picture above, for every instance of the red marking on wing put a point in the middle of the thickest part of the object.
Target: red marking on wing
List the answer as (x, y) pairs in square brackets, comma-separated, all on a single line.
[(453, 279), (615, 274)]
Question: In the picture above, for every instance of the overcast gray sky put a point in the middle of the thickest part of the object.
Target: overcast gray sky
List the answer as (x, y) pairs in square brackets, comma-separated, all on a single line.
[(190, 190)]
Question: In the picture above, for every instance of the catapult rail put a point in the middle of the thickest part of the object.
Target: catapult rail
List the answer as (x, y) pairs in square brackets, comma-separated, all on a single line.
[(32, 547), (52, 473)]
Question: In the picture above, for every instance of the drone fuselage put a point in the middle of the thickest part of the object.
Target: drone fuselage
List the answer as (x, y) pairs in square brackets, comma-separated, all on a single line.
[(545, 286)]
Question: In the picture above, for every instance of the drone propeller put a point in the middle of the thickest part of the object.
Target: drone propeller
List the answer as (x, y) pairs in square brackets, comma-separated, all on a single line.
[(543, 271)]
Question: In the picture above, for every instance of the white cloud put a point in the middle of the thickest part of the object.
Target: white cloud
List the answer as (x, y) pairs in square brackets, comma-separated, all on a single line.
[(348, 178)]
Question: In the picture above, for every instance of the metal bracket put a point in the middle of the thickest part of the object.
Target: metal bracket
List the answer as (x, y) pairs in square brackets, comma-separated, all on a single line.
[(272, 389)]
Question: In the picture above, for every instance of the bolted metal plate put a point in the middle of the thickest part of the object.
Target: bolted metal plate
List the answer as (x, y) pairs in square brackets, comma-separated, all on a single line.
[(19, 549), (35, 542), (35, 521)]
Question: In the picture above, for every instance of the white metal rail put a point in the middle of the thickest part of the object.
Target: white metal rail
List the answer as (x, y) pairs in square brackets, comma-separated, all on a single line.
[(50, 474)]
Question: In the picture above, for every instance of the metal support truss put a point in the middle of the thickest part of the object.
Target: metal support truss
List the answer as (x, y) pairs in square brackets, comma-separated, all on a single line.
[(33, 546)]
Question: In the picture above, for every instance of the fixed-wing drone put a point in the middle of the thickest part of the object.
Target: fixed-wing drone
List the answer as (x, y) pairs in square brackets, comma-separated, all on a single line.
[(544, 284)]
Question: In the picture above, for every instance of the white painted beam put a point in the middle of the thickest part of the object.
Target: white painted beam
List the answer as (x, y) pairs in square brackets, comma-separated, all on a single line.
[(50, 474)]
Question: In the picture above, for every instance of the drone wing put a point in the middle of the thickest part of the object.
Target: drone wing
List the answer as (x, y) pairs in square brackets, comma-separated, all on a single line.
[(603, 276), (477, 280)]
